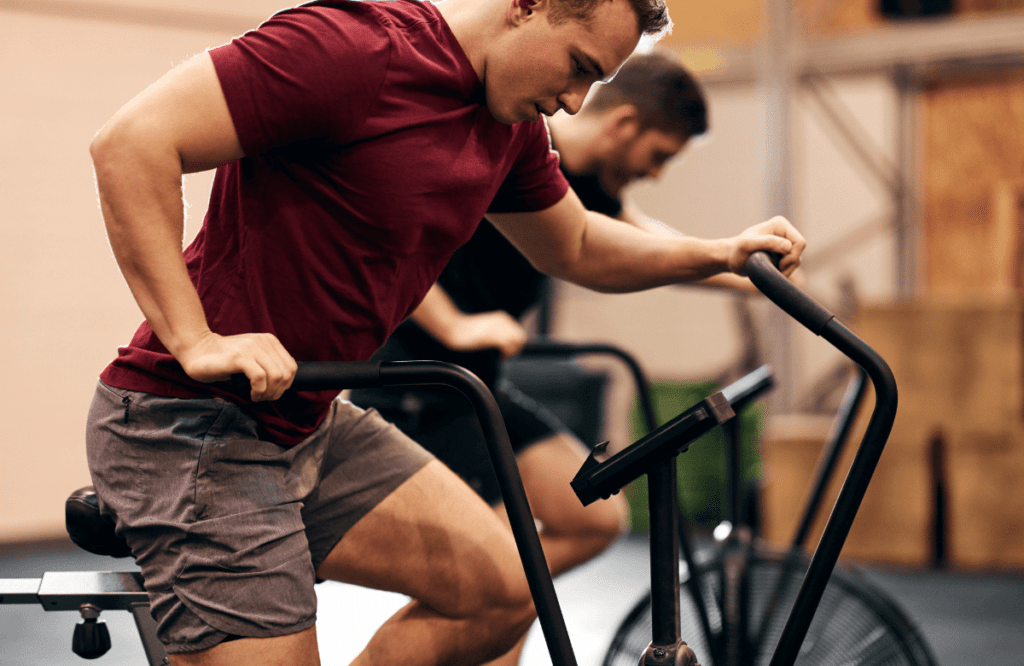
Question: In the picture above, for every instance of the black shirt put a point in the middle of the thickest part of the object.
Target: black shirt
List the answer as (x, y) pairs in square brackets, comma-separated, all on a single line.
[(488, 273)]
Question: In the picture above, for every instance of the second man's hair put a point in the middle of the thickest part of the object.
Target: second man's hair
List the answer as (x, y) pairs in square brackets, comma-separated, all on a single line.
[(666, 96)]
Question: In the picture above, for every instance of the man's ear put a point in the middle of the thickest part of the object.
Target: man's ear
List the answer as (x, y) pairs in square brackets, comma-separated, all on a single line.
[(623, 121), (520, 11)]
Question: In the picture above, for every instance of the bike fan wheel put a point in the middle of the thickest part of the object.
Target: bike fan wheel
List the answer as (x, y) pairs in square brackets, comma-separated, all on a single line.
[(855, 624)]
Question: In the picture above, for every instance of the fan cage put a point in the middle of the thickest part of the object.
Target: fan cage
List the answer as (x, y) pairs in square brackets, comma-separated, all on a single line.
[(856, 624)]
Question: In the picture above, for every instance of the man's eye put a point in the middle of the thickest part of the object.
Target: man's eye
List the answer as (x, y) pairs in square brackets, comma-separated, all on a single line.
[(580, 69)]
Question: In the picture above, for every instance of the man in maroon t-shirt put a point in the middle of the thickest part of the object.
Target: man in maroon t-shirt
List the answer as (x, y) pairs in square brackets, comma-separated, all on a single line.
[(357, 145)]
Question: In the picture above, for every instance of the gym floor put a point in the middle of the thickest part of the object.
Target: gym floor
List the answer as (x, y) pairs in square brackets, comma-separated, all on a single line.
[(967, 618)]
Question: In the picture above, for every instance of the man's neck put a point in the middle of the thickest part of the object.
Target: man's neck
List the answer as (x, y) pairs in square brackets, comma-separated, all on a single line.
[(575, 138), (475, 23)]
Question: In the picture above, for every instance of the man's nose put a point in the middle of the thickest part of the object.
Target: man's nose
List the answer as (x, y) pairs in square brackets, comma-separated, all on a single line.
[(572, 100), (655, 171)]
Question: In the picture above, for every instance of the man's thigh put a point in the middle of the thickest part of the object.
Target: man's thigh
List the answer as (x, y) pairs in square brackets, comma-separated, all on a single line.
[(434, 540)]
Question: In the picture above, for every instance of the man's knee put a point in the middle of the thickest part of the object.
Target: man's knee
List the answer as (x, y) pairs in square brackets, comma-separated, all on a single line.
[(491, 585), (613, 519)]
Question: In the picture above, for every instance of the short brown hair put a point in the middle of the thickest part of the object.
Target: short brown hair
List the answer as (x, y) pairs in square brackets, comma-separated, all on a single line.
[(652, 15), (664, 93)]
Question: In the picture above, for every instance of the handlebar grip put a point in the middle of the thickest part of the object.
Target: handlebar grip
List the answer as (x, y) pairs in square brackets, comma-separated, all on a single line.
[(762, 271), (325, 376)]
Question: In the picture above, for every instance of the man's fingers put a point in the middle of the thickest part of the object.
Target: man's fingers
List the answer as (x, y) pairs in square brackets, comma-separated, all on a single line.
[(261, 357), (274, 368)]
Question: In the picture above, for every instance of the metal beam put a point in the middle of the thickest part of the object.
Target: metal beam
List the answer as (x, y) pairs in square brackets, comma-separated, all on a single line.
[(915, 44), (933, 47), (776, 88)]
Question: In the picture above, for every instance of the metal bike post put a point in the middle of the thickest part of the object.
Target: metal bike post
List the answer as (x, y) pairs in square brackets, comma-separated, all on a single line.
[(682, 528), (821, 322), (661, 484), (835, 443), (524, 529)]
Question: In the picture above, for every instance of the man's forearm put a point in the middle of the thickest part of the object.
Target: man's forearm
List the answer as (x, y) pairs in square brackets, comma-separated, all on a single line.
[(439, 316), (140, 196), (616, 258)]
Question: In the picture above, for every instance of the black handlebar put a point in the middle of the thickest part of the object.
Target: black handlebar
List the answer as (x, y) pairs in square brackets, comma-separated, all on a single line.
[(325, 376), (763, 273), (602, 475)]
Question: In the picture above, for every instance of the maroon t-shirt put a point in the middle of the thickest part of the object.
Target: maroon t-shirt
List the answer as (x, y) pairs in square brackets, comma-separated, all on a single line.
[(370, 157)]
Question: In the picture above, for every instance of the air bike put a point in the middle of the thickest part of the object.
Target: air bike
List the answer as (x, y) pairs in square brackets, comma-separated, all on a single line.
[(602, 475)]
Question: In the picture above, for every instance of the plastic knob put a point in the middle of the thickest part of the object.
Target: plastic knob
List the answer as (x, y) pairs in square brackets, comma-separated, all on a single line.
[(91, 639)]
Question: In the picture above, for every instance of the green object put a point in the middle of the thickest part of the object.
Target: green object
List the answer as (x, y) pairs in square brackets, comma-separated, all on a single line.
[(702, 470)]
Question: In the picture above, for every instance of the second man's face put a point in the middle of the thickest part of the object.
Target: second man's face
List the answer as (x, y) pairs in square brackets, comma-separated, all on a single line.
[(642, 156)]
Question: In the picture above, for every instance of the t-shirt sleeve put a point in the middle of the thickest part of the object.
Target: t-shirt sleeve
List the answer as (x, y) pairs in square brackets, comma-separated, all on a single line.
[(535, 181), (307, 73)]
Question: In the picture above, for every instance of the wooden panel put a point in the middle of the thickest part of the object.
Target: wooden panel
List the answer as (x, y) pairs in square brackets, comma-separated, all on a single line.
[(973, 141), (986, 503), (894, 521), (828, 17), (987, 6), (834, 17), (791, 449), (955, 361), (1007, 218), (958, 365)]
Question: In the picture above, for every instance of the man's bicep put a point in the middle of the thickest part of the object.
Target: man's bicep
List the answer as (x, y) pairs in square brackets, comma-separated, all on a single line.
[(550, 238), (186, 110)]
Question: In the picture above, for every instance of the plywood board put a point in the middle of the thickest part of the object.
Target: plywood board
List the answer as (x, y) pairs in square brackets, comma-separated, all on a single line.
[(973, 137)]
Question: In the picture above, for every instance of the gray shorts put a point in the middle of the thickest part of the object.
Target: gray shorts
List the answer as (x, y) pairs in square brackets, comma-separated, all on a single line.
[(227, 528)]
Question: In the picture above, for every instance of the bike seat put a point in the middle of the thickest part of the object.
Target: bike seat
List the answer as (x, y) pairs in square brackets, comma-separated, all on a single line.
[(88, 528)]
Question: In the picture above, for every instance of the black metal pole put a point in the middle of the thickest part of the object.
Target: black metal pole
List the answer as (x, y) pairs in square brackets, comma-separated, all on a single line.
[(661, 499), (833, 451), (821, 322), (371, 374), (661, 562), (524, 528), (845, 510), (835, 443)]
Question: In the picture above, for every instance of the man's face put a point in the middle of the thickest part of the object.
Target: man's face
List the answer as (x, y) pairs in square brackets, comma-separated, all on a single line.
[(541, 67), (643, 155)]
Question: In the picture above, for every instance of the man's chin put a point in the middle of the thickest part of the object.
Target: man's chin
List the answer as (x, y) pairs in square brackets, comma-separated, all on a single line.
[(613, 185), (506, 119), (508, 116)]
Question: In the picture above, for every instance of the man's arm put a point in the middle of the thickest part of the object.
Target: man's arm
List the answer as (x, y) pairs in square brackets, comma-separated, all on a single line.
[(457, 330), (632, 215), (568, 242), (180, 124)]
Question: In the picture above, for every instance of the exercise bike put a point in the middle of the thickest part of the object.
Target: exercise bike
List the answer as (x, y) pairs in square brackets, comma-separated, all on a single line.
[(92, 592), (736, 595)]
